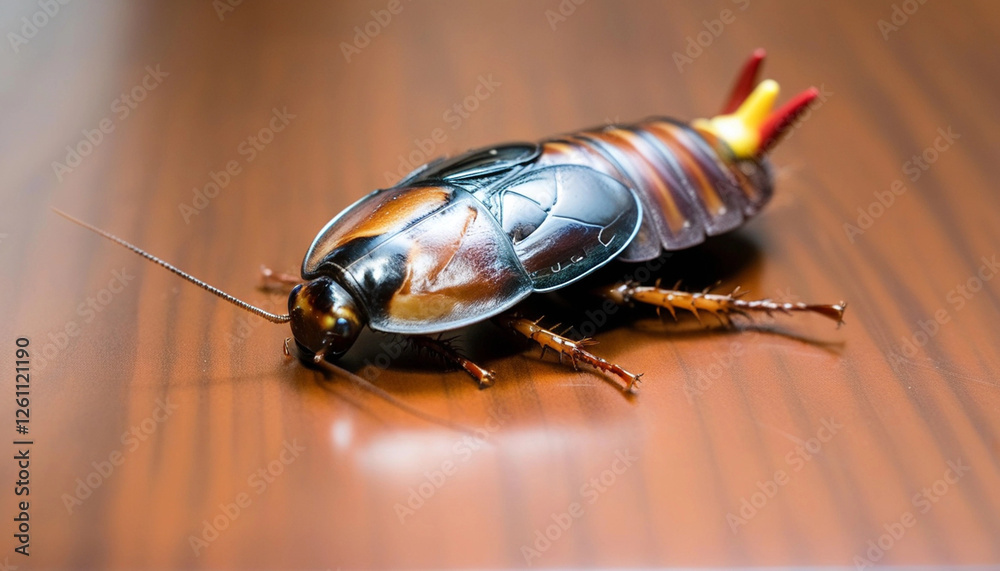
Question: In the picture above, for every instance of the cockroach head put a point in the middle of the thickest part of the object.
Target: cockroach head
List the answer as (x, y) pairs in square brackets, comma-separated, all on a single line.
[(325, 319)]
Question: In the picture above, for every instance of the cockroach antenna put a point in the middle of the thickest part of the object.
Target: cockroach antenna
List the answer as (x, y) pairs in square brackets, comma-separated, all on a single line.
[(272, 317)]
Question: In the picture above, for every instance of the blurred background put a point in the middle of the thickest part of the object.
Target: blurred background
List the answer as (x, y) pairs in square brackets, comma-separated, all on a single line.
[(169, 431)]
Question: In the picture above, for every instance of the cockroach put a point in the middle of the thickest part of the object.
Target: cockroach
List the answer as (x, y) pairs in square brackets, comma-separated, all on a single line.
[(464, 239)]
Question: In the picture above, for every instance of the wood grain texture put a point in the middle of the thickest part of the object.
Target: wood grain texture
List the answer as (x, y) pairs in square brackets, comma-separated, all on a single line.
[(720, 412)]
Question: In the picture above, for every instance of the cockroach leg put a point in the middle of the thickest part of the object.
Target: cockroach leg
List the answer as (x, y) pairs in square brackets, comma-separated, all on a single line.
[(565, 347), (447, 351), (277, 281), (721, 306)]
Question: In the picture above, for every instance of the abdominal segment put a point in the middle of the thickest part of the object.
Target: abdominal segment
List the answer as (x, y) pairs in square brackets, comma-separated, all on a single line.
[(688, 188)]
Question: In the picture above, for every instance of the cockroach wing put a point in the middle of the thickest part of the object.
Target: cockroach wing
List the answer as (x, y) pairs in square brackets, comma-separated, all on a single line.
[(476, 167), (421, 259), (565, 221), (367, 222)]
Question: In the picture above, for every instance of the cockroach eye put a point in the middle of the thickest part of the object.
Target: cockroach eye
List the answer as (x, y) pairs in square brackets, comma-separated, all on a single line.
[(342, 327), (324, 318)]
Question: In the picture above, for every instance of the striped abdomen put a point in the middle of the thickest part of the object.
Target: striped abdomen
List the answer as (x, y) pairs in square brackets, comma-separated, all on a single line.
[(689, 183)]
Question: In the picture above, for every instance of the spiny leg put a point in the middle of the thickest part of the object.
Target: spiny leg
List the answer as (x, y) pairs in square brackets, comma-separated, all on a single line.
[(446, 350), (565, 347), (277, 281), (721, 306)]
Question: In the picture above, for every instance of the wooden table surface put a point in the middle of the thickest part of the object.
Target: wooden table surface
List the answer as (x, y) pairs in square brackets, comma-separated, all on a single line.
[(169, 430)]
